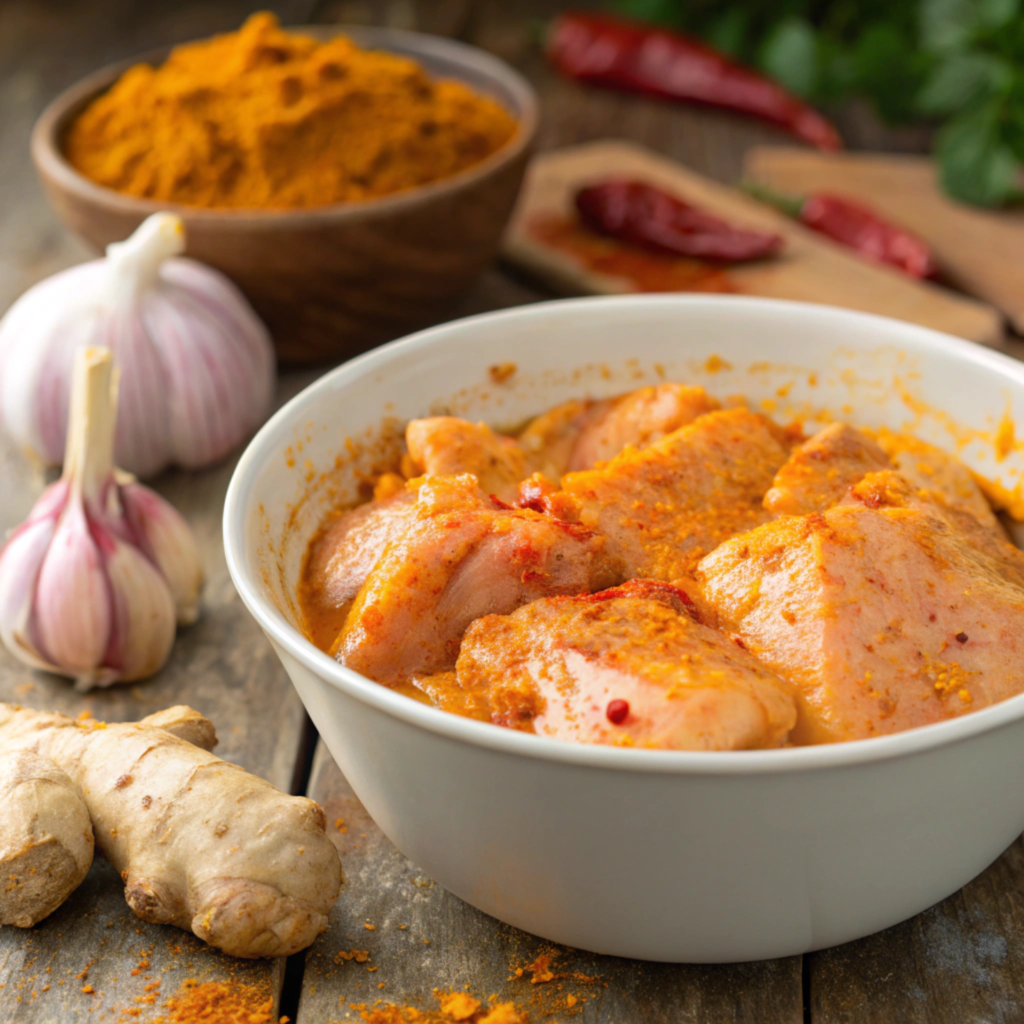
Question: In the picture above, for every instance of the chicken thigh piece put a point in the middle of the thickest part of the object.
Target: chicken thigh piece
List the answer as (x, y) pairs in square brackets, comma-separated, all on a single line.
[(342, 555), (820, 471), (939, 472), (639, 419), (449, 446), (461, 555), (887, 612), (631, 667), (665, 507), (550, 438), (578, 435)]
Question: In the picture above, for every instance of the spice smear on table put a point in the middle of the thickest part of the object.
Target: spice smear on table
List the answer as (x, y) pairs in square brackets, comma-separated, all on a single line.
[(455, 1008), (262, 118)]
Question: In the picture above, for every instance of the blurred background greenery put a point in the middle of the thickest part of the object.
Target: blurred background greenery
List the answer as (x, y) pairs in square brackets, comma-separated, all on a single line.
[(958, 64)]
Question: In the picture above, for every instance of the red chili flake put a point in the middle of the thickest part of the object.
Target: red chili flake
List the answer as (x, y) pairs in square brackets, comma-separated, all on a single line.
[(961, 638), (617, 711)]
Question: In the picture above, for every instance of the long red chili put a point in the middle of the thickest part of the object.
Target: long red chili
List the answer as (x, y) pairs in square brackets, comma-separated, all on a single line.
[(632, 57), (641, 214), (855, 226)]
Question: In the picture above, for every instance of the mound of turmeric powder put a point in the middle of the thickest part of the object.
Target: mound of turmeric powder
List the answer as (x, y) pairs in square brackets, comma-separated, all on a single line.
[(267, 119)]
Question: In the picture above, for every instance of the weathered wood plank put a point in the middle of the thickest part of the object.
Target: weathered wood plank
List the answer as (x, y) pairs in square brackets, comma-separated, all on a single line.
[(423, 939), (223, 665), (961, 962)]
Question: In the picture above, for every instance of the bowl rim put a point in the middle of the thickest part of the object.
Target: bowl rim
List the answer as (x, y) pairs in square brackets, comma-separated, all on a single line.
[(51, 163), (510, 741)]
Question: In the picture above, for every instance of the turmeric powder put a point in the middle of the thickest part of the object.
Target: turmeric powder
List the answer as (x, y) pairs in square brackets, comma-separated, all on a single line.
[(218, 1002), (267, 119)]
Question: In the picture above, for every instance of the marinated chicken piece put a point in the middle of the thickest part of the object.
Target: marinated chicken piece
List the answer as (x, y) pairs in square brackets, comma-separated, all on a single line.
[(639, 419), (820, 471), (665, 507), (449, 446), (933, 469), (579, 434), (341, 557), (550, 438), (630, 666), (461, 555), (890, 488), (884, 613)]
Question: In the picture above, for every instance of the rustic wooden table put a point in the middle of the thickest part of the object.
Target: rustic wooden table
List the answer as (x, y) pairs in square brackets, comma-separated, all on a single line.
[(959, 962)]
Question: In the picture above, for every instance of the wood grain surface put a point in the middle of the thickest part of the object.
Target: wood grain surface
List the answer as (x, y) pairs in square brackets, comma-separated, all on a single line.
[(808, 269), (222, 666), (981, 251), (424, 941), (958, 963)]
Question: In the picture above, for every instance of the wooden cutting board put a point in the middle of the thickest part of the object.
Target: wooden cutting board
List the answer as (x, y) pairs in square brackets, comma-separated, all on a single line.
[(545, 239), (981, 251)]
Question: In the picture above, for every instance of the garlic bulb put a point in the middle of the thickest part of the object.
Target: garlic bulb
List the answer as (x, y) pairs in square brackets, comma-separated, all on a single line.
[(93, 582), (197, 364)]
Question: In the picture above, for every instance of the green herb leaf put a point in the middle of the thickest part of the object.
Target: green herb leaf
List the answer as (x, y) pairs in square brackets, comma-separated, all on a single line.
[(729, 32), (993, 14), (889, 70), (975, 164), (790, 55), (947, 24), (660, 12), (963, 79)]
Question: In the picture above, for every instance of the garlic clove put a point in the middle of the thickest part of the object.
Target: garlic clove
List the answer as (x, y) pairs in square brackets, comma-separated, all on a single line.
[(93, 584), (143, 618), (20, 562), (165, 536), (72, 616)]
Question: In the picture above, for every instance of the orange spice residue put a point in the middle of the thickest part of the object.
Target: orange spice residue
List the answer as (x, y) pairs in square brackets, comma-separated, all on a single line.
[(555, 993), (455, 1008), (541, 970), (645, 271), (1005, 439), (359, 955), (500, 373), (458, 1005), (218, 1002)]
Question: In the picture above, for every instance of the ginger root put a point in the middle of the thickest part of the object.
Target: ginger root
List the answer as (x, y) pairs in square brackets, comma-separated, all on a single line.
[(200, 843), (46, 840)]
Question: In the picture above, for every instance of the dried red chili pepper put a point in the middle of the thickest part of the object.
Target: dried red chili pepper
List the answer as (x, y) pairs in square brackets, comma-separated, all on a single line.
[(855, 226), (641, 214), (632, 57)]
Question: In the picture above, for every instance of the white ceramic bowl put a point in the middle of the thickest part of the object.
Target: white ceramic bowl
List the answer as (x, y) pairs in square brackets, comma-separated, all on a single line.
[(657, 855)]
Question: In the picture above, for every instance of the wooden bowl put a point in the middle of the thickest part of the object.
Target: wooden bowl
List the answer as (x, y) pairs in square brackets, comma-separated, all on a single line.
[(333, 281)]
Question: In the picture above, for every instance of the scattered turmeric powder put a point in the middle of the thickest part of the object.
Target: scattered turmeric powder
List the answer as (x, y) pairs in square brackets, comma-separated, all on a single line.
[(218, 1002), (359, 955), (541, 970), (455, 1008), (267, 119)]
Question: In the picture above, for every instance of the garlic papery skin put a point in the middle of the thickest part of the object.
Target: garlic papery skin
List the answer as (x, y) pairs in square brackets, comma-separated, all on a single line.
[(93, 583), (197, 365)]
